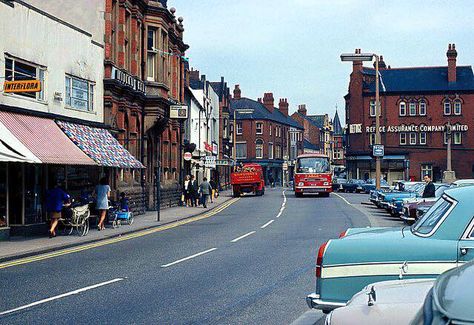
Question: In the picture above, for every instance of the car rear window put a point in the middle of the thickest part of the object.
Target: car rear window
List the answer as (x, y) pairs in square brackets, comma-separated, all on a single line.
[(432, 218)]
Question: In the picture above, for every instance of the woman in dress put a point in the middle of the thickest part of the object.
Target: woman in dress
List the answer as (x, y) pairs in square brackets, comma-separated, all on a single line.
[(102, 193)]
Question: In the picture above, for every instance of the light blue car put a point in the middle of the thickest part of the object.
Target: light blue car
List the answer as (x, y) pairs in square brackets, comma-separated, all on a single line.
[(439, 241)]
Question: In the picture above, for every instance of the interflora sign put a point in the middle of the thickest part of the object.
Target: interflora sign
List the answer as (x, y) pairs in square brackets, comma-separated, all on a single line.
[(22, 86), (357, 128)]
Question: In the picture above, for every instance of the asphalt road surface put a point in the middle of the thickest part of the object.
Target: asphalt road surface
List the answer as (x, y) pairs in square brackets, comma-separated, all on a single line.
[(252, 263)]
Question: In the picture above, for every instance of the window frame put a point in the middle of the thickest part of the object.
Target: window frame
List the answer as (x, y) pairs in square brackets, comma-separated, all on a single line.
[(412, 136), (412, 109), (239, 128), (90, 93), (447, 104), (424, 137), (270, 150), (259, 125), (457, 103), (259, 153), (420, 105), (454, 134), (40, 74), (403, 135), (372, 108), (244, 144), (424, 168)]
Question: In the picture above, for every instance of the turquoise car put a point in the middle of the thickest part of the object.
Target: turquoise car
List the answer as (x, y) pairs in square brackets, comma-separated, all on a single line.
[(439, 241)]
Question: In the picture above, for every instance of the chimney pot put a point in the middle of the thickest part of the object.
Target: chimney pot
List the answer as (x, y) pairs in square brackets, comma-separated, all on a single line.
[(268, 101), (452, 55), (237, 92), (302, 109)]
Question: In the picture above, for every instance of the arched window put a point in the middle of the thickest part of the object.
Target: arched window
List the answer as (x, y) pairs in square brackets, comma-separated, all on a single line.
[(457, 107), (403, 109), (259, 148), (447, 107), (422, 107), (412, 107)]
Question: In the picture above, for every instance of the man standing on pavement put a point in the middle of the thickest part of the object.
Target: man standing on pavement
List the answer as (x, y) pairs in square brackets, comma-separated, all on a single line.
[(205, 189), (429, 190)]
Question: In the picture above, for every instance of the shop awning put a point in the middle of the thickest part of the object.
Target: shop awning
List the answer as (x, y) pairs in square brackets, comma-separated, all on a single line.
[(11, 149), (44, 139), (100, 145)]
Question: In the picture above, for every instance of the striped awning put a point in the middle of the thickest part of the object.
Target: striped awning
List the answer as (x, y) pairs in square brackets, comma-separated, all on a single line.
[(12, 150), (99, 145), (44, 139)]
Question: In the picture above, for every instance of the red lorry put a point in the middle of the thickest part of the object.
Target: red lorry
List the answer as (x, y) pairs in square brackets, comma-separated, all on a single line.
[(247, 178)]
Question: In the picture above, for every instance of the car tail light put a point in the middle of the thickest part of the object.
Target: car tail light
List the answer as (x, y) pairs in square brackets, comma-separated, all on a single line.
[(343, 234), (319, 260)]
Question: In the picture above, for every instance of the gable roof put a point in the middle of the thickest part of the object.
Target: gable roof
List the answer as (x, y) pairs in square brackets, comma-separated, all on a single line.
[(317, 119), (421, 79), (336, 123), (260, 112), (309, 145)]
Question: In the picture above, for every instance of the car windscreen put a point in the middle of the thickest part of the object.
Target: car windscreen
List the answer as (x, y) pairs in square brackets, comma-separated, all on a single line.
[(440, 190), (312, 165), (432, 217)]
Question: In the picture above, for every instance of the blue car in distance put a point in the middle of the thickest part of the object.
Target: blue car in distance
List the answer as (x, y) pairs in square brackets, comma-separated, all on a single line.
[(369, 185), (412, 190)]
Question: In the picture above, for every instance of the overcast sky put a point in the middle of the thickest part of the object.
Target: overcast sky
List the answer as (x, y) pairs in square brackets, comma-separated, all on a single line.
[(292, 48)]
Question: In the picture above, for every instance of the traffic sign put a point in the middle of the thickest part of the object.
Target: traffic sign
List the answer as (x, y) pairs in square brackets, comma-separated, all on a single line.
[(378, 150), (187, 156)]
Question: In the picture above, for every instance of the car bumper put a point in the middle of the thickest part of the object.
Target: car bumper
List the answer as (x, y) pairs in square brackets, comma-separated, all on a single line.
[(313, 189), (314, 302)]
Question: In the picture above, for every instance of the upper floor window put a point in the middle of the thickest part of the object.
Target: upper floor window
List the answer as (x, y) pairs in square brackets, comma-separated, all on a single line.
[(457, 137), (241, 150), (152, 53), (412, 109), (422, 108), (403, 138), (372, 139), (79, 93), (259, 148), (270, 129), (422, 137), (16, 69), (270, 150), (239, 128), (259, 128), (447, 107), (372, 108), (412, 138), (402, 109), (457, 107)]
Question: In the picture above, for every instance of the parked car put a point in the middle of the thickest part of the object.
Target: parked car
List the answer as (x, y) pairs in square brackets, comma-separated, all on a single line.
[(450, 300), (337, 184), (462, 182), (385, 302), (376, 195), (411, 191), (353, 185), (410, 206), (369, 185), (435, 243)]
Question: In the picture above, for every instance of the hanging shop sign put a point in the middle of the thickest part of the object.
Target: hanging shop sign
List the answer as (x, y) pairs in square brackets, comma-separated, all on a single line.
[(179, 111), (207, 146), (187, 156), (210, 161), (357, 128), (215, 149), (22, 86), (128, 80), (223, 162)]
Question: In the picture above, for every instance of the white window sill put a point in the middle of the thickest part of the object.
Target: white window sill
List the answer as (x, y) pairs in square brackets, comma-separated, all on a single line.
[(33, 100), (79, 110)]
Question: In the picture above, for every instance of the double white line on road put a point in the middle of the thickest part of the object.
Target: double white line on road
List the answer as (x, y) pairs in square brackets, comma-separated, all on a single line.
[(64, 295)]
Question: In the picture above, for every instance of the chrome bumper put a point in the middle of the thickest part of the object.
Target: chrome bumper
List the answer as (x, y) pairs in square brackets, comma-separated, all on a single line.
[(314, 302)]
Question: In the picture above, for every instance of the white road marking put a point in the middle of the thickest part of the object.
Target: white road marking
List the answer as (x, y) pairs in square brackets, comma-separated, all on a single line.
[(189, 257), (267, 224), (243, 236), (341, 197), (75, 292)]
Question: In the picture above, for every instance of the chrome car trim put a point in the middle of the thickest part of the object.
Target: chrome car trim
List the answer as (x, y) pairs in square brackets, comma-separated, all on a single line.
[(314, 302), (440, 222), (468, 231), (413, 268)]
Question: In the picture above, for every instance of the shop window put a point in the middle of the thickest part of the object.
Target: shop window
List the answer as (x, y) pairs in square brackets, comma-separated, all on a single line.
[(403, 138), (423, 138), (427, 169), (270, 151), (447, 107), (422, 108), (402, 109), (241, 150), (372, 108), (412, 138), (412, 109), (239, 128), (457, 107), (457, 137), (79, 93), (259, 128), (16, 69), (259, 148)]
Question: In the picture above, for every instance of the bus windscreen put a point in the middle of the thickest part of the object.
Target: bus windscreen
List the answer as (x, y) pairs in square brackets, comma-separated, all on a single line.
[(312, 165)]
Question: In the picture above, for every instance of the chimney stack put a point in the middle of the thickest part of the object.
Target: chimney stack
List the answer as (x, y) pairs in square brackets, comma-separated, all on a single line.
[(283, 106), (452, 54), (237, 92), (382, 64), (194, 74), (259, 99), (268, 101), (302, 109), (357, 65)]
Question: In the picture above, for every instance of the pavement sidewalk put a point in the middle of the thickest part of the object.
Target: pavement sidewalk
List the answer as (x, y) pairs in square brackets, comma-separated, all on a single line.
[(18, 247)]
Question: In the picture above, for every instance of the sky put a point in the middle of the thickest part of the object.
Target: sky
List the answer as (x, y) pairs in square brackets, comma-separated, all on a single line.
[(292, 48)]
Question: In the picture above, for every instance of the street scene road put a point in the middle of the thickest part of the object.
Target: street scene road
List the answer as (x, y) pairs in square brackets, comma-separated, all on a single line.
[(252, 263)]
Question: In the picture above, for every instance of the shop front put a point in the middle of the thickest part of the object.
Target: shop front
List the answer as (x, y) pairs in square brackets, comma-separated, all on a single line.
[(393, 168)]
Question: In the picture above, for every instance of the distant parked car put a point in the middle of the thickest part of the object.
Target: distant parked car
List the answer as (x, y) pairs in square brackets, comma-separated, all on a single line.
[(370, 185), (410, 206), (385, 302), (450, 300), (462, 182), (353, 186), (439, 241), (337, 184)]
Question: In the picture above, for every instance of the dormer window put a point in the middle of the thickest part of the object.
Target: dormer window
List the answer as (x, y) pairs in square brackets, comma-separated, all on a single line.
[(403, 109)]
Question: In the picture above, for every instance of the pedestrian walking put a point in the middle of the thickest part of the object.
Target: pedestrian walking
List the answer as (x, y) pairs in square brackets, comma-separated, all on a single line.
[(56, 199), (102, 194), (429, 190), (213, 192), (193, 191), (205, 189), (186, 185), (272, 181)]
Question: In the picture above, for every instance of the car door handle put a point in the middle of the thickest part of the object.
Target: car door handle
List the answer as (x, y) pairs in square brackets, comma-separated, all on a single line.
[(465, 249)]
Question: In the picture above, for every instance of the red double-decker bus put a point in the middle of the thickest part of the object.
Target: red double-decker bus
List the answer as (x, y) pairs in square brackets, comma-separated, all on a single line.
[(312, 175)]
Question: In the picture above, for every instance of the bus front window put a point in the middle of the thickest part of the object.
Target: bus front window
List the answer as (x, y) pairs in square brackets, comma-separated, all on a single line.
[(312, 165)]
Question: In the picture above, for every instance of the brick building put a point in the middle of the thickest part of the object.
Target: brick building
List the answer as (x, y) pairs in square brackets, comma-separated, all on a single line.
[(338, 154), (266, 135), (144, 75), (312, 135), (417, 105)]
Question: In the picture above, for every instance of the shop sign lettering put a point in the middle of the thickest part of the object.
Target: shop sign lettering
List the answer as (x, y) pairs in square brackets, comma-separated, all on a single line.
[(357, 128)]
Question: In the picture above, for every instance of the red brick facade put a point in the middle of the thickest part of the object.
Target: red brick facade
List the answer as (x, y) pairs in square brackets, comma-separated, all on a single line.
[(311, 131), (413, 125)]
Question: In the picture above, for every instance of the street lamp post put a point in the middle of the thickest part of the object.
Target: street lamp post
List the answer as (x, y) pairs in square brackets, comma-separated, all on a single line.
[(369, 57)]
